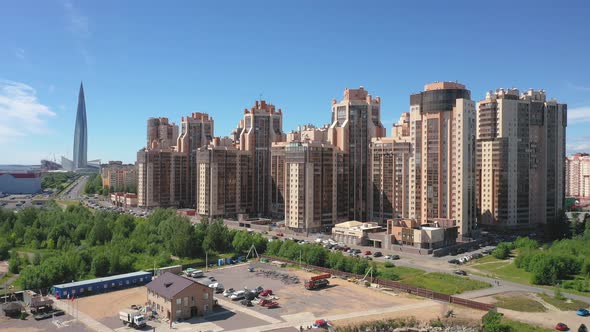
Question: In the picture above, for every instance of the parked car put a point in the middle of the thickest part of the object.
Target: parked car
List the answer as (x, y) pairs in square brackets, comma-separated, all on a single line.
[(454, 261), (367, 252), (280, 234), (377, 254), (228, 292), (266, 292), (238, 295), (395, 257), (460, 272), (582, 328), (583, 312), (561, 327)]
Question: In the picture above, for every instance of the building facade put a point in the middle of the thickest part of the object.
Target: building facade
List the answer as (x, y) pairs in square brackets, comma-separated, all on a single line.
[(356, 119), (174, 297), (390, 170), (222, 172), (196, 131), (577, 175), (520, 169), (118, 177), (442, 165), (260, 128)]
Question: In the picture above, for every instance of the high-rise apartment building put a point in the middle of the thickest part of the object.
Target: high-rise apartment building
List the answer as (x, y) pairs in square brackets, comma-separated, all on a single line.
[(261, 126), (118, 177), (520, 158), (196, 131), (390, 166), (81, 133), (277, 174), (356, 119), (442, 165), (222, 171), (160, 167), (161, 133), (577, 175)]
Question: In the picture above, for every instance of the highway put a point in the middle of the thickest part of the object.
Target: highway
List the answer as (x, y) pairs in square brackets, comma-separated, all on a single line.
[(74, 191)]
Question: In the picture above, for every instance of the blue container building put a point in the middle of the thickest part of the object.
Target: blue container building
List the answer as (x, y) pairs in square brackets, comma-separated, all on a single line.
[(101, 285)]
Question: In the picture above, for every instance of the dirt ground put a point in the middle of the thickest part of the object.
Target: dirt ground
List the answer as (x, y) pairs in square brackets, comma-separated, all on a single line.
[(3, 266), (109, 304)]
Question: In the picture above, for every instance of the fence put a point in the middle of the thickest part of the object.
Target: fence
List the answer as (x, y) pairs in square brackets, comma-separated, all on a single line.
[(422, 292)]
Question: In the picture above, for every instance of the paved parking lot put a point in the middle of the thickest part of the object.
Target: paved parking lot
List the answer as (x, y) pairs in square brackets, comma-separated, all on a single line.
[(61, 323)]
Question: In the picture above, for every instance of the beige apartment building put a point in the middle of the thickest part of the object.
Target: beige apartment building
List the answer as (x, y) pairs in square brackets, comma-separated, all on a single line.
[(223, 176), (390, 178), (261, 126), (196, 131), (442, 165), (118, 177), (520, 158), (577, 175), (356, 119), (174, 297)]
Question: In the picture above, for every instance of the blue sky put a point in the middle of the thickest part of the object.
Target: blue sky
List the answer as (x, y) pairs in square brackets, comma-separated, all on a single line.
[(170, 58)]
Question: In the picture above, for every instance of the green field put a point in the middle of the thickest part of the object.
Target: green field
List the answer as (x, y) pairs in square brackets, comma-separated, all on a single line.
[(502, 269), (445, 283), (566, 304), (519, 303)]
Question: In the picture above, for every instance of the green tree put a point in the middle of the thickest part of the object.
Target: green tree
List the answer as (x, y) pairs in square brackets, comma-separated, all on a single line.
[(100, 265), (4, 248), (14, 263), (492, 322), (502, 251)]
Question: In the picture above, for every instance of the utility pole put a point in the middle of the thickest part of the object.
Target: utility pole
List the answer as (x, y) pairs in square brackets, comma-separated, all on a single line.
[(206, 261)]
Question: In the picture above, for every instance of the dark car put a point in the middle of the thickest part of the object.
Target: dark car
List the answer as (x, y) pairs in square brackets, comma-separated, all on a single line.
[(454, 261), (394, 257), (377, 254), (582, 328), (460, 272)]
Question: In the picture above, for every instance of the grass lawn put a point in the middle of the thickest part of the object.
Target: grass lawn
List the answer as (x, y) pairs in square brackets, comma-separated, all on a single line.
[(445, 283), (5, 277), (398, 272), (523, 327), (504, 270), (519, 303), (567, 304)]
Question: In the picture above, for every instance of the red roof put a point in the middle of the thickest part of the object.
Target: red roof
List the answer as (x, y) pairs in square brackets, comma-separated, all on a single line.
[(23, 175)]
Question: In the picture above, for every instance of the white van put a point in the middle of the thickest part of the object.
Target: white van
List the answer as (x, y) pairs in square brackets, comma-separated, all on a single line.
[(197, 274)]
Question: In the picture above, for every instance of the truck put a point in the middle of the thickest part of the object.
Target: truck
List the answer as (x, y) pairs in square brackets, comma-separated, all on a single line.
[(132, 317), (318, 281)]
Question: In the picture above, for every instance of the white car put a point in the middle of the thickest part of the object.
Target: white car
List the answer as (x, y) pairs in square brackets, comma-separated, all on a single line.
[(238, 295), (228, 292), (318, 240)]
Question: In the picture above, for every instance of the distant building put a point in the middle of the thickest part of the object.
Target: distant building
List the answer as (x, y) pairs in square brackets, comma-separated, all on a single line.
[(355, 232), (222, 180), (442, 165), (81, 133), (356, 119), (261, 126), (174, 297), (20, 182), (432, 235), (118, 177), (520, 169), (124, 199), (577, 175)]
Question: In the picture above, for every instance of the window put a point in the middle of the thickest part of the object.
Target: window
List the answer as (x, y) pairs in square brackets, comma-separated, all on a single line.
[(179, 301), (178, 313), (205, 295), (186, 301)]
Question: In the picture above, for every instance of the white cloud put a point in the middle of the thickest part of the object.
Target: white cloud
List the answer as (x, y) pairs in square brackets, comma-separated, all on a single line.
[(19, 53), (578, 114), (578, 144), (20, 111)]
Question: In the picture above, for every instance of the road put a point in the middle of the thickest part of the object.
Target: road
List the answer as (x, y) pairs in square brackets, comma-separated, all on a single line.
[(74, 191), (440, 264)]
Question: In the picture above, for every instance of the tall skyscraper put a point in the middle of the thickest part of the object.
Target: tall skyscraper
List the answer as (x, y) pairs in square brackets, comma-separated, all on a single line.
[(356, 119), (81, 133), (261, 127), (442, 166), (520, 158)]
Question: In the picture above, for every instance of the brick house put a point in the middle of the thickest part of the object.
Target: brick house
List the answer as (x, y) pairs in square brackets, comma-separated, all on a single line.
[(174, 297)]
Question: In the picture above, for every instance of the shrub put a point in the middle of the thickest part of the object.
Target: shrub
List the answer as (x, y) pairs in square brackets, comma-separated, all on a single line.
[(388, 264)]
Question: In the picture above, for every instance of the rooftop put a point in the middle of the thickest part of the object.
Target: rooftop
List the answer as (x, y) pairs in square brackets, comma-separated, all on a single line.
[(92, 281), (169, 285)]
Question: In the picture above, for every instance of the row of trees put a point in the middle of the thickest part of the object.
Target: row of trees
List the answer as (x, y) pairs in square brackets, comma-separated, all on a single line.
[(75, 243), (94, 185), (314, 254)]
